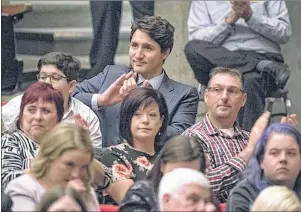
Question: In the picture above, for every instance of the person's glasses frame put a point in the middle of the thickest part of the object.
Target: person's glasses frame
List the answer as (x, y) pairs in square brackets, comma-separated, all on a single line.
[(232, 91), (54, 78)]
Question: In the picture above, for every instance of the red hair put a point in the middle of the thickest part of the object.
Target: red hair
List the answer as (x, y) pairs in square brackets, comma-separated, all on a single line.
[(44, 91)]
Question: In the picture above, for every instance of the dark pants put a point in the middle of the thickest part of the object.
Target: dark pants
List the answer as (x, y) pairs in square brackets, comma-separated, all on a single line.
[(106, 21), (203, 56)]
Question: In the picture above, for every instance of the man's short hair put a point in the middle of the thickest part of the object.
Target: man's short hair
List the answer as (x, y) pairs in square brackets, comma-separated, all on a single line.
[(65, 62), (223, 70), (159, 29), (172, 182)]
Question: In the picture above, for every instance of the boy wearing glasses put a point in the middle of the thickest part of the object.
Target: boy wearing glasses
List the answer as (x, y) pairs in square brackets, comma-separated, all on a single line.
[(224, 142), (60, 70)]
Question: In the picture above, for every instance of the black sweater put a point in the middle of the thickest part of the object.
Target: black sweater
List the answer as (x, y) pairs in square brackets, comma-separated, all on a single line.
[(242, 197)]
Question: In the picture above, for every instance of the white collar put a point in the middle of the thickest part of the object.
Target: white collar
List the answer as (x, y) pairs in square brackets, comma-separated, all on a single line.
[(155, 81)]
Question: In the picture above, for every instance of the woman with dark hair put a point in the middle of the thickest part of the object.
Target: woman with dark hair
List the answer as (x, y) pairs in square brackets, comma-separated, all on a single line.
[(42, 107), (276, 161), (62, 199), (178, 152), (143, 121)]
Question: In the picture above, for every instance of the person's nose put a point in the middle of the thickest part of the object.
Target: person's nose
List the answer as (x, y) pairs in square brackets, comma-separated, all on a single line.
[(145, 118), (283, 157), (224, 95), (48, 80), (139, 53), (76, 173), (38, 115)]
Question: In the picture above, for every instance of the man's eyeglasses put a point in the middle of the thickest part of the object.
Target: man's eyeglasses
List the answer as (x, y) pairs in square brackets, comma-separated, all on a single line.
[(53, 78), (231, 91)]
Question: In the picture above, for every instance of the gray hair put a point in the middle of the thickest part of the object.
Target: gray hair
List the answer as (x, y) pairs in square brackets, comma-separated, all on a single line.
[(172, 182)]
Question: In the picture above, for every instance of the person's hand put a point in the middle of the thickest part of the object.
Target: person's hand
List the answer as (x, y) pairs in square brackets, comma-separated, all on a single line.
[(113, 95), (242, 8), (258, 129), (77, 184), (291, 119), (128, 85), (232, 18), (80, 122), (131, 84)]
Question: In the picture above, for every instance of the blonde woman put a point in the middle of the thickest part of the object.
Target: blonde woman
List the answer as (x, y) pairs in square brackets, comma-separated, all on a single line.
[(65, 158), (277, 198)]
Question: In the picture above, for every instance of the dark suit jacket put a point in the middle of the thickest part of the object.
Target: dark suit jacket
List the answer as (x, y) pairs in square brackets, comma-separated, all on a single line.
[(182, 102)]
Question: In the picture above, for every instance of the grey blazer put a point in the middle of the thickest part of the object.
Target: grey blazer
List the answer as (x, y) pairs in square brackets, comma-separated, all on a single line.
[(182, 102)]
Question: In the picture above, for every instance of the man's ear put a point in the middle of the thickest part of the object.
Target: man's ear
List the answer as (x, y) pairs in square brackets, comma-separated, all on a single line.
[(162, 167), (166, 53), (162, 120), (72, 85), (245, 96), (206, 96), (165, 198)]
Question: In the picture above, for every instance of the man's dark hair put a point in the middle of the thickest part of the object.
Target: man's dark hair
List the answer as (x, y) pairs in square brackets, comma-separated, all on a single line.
[(65, 62), (159, 29)]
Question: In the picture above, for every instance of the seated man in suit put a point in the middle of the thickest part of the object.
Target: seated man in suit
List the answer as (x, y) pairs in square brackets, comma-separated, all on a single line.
[(61, 70), (150, 44), (245, 35)]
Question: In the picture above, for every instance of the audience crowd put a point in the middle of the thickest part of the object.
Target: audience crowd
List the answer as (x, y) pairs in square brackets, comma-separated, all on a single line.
[(127, 137)]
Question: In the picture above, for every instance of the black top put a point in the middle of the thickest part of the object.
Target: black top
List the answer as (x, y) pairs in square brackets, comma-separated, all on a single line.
[(140, 197), (242, 197)]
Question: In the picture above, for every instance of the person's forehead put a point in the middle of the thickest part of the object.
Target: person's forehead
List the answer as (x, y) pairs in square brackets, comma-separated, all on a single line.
[(40, 103), (50, 69), (142, 37), (194, 188), (226, 80), (275, 140)]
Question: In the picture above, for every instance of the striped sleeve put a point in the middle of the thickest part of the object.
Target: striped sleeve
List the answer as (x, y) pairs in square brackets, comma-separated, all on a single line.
[(225, 175), (11, 159)]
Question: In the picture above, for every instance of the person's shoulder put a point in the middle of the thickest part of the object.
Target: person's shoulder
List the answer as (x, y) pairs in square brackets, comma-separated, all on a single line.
[(142, 185), (118, 148), (81, 108), (244, 133), (196, 129), (15, 100), (14, 137), (181, 86), (23, 183), (243, 186)]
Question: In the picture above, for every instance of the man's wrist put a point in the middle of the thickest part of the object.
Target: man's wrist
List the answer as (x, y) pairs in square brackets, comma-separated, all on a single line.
[(100, 100), (246, 154)]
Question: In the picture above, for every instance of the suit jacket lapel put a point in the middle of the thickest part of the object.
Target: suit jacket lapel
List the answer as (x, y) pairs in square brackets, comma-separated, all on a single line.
[(166, 89)]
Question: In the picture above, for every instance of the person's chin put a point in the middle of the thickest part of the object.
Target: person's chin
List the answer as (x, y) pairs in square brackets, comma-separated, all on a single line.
[(139, 69)]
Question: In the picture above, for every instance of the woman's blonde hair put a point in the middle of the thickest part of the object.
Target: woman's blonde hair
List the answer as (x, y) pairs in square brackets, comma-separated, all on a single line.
[(277, 198), (63, 137)]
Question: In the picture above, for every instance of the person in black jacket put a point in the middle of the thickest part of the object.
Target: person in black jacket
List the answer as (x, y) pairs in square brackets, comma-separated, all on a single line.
[(276, 161)]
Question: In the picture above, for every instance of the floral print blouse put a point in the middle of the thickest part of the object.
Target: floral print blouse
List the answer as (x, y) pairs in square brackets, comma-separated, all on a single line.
[(125, 162)]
